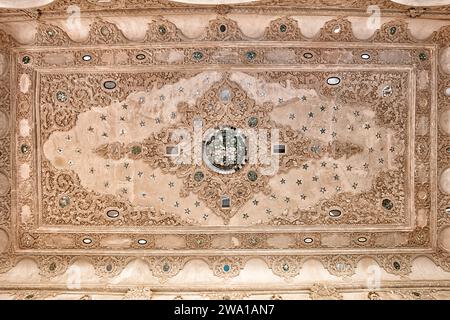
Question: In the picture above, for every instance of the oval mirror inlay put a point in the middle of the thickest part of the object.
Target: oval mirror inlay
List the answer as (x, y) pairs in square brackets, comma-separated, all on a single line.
[(162, 30), (396, 265), (335, 213), (87, 241), (251, 55), (52, 266), (365, 56), (166, 267), (252, 176), (197, 55), (64, 201), (253, 122), (113, 213), (142, 241), (332, 81), (87, 57), (362, 239), (109, 84)]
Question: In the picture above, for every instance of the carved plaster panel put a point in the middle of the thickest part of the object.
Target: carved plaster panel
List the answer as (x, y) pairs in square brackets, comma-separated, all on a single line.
[(167, 149)]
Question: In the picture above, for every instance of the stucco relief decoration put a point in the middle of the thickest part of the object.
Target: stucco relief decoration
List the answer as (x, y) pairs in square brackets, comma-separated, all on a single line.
[(173, 148)]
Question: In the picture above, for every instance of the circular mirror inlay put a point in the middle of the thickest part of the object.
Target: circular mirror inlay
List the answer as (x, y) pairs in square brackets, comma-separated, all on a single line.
[(251, 55), (197, 55), (447, 210), (109, 267), (198, 176), (283, 28), (226, 267), (337, 29), (222, 28), (112, 213), (24, 148), (162, 30), (26, 60), (447, 91), (61, 96), (392, 30), (335, 213), (166, 267), (252, 122), (109, 84), (423, 56), (332, 81), (387, 204), (285, 267), (64, 201), (87, 57)]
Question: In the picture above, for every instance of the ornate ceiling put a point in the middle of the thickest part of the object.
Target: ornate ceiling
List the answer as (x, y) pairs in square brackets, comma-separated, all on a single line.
[(283, 159)]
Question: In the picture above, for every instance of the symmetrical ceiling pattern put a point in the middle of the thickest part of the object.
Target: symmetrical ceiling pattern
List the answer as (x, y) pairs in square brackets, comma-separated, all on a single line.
[(224, 147)]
